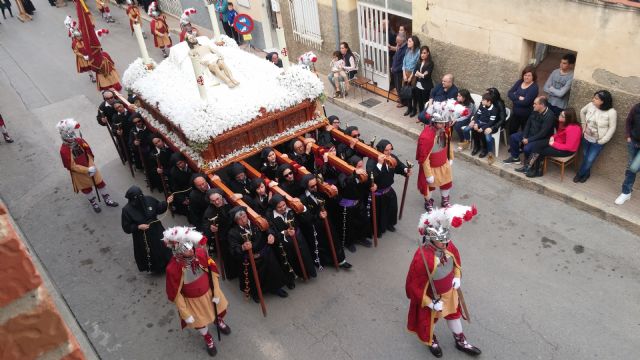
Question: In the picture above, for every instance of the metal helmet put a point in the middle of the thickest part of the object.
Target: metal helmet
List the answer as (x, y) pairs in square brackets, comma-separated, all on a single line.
[(435, 225), (67, 129)]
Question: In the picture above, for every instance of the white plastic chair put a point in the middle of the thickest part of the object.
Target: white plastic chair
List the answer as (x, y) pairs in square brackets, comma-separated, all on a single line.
[(496, 136)]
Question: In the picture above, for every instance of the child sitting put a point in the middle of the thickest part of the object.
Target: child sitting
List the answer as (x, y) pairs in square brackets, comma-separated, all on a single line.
[(337, 68), (481, 125)]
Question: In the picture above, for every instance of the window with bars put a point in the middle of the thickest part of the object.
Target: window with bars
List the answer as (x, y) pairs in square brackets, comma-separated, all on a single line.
[(306, 22)]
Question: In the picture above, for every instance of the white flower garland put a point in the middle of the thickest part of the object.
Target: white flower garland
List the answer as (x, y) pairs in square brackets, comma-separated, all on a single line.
[(136, 71), (268, 141)]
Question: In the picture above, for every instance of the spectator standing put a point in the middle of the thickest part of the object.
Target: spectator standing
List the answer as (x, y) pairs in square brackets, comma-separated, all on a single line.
[(28, 6), (522, 94), (558, 85), (565, 142), (409, 62), (230, 19), (424, 84), (461, 126), (598, 119), (632, 133), (5, 5), (222, 7), (396, 65)]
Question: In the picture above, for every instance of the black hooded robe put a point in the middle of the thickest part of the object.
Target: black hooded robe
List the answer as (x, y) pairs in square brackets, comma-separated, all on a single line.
[(180, 183), (315, 234), (224, 223), (386, 197), (279, 226), (148, 250), (352, 218), (269, 270)]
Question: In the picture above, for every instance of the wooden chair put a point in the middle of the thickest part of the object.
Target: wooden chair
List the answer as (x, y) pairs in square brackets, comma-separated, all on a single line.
[(360, 81), (561, 161)]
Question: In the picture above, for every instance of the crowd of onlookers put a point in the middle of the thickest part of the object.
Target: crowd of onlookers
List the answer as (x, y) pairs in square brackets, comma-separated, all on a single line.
[(537, 125)]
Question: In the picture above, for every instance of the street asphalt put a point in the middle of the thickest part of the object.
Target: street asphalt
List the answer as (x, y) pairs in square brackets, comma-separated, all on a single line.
[(542, 280)]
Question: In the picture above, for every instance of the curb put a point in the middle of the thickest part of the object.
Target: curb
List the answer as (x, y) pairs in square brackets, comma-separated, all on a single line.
[(578, 201)]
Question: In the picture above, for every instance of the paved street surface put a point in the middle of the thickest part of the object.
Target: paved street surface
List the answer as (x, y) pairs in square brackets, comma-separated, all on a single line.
[(542, 279)]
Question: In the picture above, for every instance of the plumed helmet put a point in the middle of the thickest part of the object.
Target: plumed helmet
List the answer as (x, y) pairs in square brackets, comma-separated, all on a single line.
[(72, 27), (67, 129), (153, 9), (435, 225), (307, 59), (185, 17), (180, 239), (101, 32)]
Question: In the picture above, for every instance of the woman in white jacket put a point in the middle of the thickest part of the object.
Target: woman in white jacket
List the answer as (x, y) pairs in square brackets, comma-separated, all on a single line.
[(598, 119)]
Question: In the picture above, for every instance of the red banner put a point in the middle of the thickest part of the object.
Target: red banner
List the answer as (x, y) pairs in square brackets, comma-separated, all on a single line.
[(89, 37)]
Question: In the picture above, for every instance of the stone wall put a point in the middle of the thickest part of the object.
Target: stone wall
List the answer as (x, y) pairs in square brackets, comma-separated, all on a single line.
[(30, 324), (482, 49), (348, 19)]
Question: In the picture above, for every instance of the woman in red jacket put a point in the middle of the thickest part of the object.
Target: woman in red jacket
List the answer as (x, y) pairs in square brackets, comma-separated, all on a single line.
[(565, 142)]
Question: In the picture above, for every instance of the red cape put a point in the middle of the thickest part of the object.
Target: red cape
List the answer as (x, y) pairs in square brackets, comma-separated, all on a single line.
[(65, 153), (174, 272), (419, 319)]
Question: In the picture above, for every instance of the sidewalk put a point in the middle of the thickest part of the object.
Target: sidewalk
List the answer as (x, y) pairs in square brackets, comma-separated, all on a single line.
[(595, 196)]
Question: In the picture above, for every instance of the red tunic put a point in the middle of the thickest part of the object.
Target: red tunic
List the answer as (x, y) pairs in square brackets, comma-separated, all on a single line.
[(424, 151), (420, 320), (163, 28), (83, 160), (174, 275)]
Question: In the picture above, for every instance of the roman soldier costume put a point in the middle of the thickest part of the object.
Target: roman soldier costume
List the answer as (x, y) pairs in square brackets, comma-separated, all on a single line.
[(103, 7), (133, 12), (434, 155), (107, 75), (185, 24), (433, 280), (77, 157), (159, 29), (79, 49), (192, 284)]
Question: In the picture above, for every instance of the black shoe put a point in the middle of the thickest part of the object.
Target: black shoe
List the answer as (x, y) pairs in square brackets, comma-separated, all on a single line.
[(576, 179), (255, 298), (407, 112), (345, 265), (483, 154), (281, 293), (523, 169), (351, 248), (391, 228), (475, 151), (291, 285), (226, 330), (365, 243), (463, 345), (435, 348), (413, 113), (109, 202), (511, 160), (585, 178)]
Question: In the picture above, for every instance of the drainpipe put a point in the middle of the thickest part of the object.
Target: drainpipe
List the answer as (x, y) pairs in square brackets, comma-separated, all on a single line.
[(336, 24)]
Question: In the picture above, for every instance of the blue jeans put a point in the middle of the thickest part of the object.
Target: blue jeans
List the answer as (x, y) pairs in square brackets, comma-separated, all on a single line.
[(490, 143), (633, 165), (463, 132), (332, 80), (590, 152)]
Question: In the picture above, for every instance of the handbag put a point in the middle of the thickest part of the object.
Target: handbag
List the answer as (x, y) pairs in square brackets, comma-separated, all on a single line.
[(406, 93)]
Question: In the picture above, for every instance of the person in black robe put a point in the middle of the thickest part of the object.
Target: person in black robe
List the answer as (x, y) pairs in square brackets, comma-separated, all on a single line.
[(105, 109), (217, 221), (285, 224), (386, 198), (259, 198), (287, 182), (352, 217), (139, 218), (329, 172), (270, 274), (300, 152), (269, 166), (324, 136), (198, 201), (28, 7), (140, 142), (238, 181), (180, 183), (313, 227), (160, 159), (121, 124), (346, 151)]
